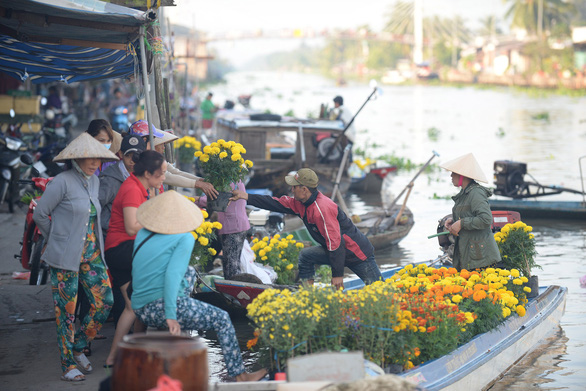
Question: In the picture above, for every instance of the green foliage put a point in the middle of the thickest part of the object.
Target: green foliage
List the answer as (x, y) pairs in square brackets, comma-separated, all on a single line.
[(290, 113), (28, 197), (517, 247), (433, 133), (543, 116), (324, 274)]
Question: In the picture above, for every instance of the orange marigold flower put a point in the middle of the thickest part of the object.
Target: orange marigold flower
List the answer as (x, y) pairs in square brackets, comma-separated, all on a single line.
[(479, 295), (430, 329)]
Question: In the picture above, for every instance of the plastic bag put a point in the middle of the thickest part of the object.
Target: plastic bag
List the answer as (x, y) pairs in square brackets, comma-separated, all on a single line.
[(247, 265), (166, 383)]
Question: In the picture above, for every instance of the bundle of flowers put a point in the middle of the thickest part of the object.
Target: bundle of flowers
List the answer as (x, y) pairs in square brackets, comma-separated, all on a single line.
[(517, 247), (186, 148), (420, 314), (281, 253), (223, 164), (204, 234)]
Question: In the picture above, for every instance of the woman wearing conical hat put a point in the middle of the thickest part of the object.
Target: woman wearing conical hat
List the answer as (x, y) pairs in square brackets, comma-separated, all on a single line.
[(68, 215), (475, 246), (162, 278)]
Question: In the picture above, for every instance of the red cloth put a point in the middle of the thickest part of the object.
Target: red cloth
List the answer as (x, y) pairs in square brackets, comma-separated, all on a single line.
[(131, 194), (207, 123)]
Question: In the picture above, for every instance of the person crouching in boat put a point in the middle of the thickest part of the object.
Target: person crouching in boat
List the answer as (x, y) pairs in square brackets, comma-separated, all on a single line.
[(475, 246), (162, 278), (341, 243)]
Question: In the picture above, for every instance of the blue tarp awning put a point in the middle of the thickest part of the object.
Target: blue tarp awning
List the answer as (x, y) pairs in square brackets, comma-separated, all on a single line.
[(68, 40)]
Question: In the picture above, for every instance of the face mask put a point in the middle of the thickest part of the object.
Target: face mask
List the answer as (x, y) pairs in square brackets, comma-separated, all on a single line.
[(107, 145)]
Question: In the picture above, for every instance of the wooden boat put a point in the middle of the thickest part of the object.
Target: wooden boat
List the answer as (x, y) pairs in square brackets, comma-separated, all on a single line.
[(378, 226), (478, 364), (542, 209), (278, 146), (522, 196), (372, 181)]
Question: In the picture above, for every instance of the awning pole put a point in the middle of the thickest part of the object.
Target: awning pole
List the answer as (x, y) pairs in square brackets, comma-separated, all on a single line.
[(145, 81)]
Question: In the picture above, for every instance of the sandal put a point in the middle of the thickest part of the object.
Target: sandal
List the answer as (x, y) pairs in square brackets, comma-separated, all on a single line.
[(87, 350), (74, 375), (83, 362)]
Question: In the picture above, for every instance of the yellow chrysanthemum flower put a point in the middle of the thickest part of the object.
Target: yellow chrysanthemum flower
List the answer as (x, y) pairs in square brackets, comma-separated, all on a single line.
[(204, 158), (223, 155)]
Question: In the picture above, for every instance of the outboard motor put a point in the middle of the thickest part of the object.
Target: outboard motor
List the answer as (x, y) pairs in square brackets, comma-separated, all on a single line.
[(508, 178)]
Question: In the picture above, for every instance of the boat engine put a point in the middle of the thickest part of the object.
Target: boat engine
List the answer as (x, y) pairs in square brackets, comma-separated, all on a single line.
[(508, 178), (265, 223)]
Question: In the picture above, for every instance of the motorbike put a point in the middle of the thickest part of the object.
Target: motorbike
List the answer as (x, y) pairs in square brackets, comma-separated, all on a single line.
[(119, 116), (11, 149), (33, 242)]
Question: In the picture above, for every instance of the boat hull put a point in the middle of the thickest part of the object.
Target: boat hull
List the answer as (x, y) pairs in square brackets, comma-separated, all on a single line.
[(478, 364), (543, 209)]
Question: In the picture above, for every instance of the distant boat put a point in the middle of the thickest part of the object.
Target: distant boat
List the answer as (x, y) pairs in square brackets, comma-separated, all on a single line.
[(278, 145), (573, 210)]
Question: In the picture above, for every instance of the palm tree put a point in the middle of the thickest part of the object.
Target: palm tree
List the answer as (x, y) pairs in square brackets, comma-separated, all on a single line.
[(525, 14), (489, 26)]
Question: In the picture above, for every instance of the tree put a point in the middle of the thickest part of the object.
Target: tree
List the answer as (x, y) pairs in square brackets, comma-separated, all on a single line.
[(556, 15), (489, 26)]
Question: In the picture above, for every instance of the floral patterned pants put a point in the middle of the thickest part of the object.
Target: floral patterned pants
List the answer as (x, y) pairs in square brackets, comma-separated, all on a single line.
[(193, 314), (232, 247), (94, 279)]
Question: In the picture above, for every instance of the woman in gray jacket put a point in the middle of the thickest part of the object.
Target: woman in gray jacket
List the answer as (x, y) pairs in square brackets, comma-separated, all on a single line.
[(68, 215), (475, 246)]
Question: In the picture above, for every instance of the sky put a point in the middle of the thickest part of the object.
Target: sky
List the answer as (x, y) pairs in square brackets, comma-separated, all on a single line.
[(218, 16), (225, 15)]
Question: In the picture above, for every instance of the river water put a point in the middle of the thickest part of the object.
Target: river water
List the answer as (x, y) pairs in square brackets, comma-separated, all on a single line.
[(494, 124)]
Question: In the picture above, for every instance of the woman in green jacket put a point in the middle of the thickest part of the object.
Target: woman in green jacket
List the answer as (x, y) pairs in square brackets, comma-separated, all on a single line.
[(475, 246)]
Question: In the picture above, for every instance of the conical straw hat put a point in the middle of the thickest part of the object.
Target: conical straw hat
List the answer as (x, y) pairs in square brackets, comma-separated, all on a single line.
[(466, 166), (116, 143), (167, 138), (85, 146), (169, 213)]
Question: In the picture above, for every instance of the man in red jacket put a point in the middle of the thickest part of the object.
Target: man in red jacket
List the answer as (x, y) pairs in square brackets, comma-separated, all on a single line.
[(341, 243)]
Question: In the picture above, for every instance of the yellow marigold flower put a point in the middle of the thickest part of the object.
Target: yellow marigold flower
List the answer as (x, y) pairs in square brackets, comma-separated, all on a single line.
[(289, 237), (520, 310), (289, 266), (200, 231), (517, 281), (223, 155), (528, 228), (197, 154), (215, 151), (262, 253), (207, 149), (456, 298), (531, 236), (205, 214), (286, 327), (527, 289), (194, 235), (235, 157), (212, 251), (218, 225), (203, 241), (255, 240), (422, 329), (515, 273), (221, 141), (204, 158), (264, 258), (299, 245), (506, 312), (524, 279)]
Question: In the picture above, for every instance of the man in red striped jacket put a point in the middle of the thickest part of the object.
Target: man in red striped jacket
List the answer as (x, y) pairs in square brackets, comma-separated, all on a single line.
[(341, 243)]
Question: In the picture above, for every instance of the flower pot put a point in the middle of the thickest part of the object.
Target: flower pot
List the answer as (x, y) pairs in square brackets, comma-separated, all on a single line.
[(533, 283), (221, 203)]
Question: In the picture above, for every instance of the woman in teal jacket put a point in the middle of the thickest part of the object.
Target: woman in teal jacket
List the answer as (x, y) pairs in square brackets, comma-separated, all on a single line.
[(475, 246)]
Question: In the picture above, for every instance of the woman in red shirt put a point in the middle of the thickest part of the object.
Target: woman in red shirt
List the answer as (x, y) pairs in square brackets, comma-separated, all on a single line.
[(148, 175)]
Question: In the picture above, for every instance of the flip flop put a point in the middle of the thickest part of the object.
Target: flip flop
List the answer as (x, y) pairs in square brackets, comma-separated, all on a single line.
[(83, 362), (73, 376)]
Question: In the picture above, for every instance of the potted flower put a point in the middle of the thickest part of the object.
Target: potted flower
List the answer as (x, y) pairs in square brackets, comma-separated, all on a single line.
[(222, 165), (186, 148), (517, 247), (204, 235), (281, 253)]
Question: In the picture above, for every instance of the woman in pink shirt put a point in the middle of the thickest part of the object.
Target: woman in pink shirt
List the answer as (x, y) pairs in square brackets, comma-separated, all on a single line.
[(235, 224)]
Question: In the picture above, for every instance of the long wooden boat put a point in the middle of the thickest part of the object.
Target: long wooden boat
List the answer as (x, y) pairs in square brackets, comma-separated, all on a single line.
[(378, 226), (278, 146), (542, 209), (478, 364), (372, 181)]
